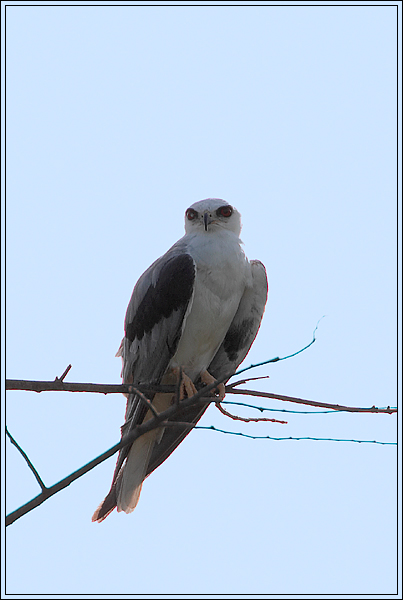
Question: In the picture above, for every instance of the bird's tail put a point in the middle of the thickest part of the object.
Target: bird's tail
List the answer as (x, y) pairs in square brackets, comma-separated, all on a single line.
[(129, 484), (125, 491)]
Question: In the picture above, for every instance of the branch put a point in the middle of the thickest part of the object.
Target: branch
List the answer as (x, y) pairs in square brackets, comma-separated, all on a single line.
[(161, 419), (47, 492), (158, 421), (61, 386), (338, 407), (107, 388)]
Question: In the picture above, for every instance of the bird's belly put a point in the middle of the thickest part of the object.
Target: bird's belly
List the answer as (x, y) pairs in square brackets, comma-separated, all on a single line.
[(206, 326)]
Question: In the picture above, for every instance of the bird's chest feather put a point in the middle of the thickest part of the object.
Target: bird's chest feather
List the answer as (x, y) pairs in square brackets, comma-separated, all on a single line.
[(221, 266), (221, 278)]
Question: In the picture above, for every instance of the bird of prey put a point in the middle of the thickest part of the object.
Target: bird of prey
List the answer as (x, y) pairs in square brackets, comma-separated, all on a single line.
[(193, 314)]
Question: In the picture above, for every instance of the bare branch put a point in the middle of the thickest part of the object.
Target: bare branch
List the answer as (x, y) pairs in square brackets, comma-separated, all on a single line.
[(95, 388), (61, 386), (106, 388), (156, 421), (338, 407), (160, 419)]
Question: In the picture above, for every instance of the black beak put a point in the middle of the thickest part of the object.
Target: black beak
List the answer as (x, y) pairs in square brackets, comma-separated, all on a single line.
[(207, 220)]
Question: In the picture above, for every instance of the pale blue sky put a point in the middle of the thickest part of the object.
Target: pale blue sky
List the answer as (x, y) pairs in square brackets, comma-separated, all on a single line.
[(119, 118)]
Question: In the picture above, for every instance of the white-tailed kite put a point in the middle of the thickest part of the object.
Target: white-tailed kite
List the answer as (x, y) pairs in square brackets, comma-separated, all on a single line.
[(195, 311)]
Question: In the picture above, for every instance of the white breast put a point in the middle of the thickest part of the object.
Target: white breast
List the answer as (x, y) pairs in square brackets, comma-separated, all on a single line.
[(222, 274)]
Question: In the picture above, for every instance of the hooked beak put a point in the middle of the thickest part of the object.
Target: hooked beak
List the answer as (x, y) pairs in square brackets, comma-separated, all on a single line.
[(207, 220)]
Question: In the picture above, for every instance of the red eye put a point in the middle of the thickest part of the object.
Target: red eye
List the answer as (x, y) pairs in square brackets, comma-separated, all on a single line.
[(225, 211), (191, 214)]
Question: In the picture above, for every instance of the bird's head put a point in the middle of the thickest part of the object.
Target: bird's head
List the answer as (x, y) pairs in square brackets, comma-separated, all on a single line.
[(212, 214)]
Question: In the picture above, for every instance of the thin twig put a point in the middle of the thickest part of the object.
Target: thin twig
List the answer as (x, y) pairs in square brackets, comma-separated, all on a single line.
[(146, 401), (278, 358), (269, 437), (64, 374), (245, 419), (30, 465), (242, 381)]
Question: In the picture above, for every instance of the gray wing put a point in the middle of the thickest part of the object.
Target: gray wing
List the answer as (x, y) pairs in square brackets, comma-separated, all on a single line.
[(245, 325), (154, 323), (232, 352), (155, 316)]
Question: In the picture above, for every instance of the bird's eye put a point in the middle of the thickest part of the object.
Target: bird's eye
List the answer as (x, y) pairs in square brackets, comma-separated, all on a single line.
[(225, 211), (191, 214)]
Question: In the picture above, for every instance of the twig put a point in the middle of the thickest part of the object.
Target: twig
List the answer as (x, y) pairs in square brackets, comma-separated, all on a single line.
[(242, 381), (278, 358), (339, 407), (64, 374), (244, 419), (30, 465), (144, 399), (269, 437)]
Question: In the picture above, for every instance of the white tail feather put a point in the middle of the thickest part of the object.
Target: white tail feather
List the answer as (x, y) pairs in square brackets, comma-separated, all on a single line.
[(135, 470)]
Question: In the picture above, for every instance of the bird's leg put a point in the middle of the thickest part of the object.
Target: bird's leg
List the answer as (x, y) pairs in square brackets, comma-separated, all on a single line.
[(207, 378), (186, 385)]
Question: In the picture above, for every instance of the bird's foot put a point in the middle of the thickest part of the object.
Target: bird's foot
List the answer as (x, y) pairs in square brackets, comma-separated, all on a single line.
[(207, 378), (187, 386)]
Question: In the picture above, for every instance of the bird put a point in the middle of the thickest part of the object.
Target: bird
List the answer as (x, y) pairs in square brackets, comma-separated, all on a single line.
[(192, 318)]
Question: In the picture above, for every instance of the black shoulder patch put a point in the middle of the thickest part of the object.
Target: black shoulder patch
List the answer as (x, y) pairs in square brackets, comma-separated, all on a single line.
[(171, 292), (236, 338)]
